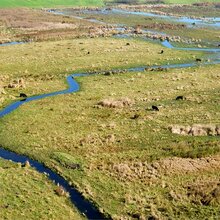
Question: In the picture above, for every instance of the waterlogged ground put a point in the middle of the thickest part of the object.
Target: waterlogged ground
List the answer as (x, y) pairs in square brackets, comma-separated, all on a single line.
[(128, 161), (170, 27)]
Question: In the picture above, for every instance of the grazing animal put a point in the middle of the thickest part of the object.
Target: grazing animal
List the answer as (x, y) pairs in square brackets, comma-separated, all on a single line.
[(155, 108), (218, 45), (88, 52), (135, 116), (128, 44), (161, 52), (23, 95), (198, 60), (193, 23), (180, 97)]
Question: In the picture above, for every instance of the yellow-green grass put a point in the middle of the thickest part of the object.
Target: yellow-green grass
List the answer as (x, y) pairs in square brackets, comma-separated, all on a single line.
[(48, 3), (26, 194), (44, 66), (70, 129)]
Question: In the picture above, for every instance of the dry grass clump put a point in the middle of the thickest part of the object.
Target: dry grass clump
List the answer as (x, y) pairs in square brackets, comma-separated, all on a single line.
[(148, 173), (94, 139), (187, 165), (17, 83), (141, 171), (204, 193), (196, 130), (118, 103), (60, 191)]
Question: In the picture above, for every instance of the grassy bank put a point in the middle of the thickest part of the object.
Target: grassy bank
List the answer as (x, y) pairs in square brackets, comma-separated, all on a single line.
[(31, 195)]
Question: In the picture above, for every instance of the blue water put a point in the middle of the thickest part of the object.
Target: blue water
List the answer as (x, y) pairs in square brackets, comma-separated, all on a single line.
[(11, 43), (210, 50)]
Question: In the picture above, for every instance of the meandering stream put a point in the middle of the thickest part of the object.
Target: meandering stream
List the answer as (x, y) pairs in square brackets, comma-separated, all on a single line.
[(84, 206)]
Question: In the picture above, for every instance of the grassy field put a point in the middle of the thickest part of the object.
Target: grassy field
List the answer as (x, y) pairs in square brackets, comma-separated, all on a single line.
[(50, 62), (131, 164), (60, 3), (49, 3), (29, 194)]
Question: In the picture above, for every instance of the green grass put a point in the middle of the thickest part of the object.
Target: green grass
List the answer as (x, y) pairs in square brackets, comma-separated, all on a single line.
[(31, 195), (51, 62), (70, 128), (49, 3)]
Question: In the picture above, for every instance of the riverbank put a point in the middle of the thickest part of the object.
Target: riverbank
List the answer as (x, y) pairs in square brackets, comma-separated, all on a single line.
[(31, 194)]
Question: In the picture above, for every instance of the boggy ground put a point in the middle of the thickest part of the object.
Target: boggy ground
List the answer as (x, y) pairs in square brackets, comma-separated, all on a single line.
[(129, 161), (208, 9), (30, 194), (176, 30)]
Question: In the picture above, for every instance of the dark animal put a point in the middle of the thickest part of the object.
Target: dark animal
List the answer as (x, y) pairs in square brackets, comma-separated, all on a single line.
[(193, 23), (135, 116), (161, 52), (218, 45), (198, 60), (180, 97), (88, 53), (155, 108), (128, 44), (23, 95)]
